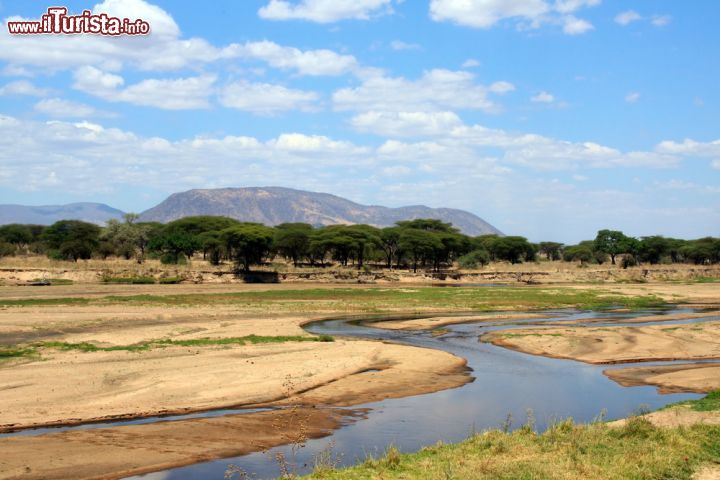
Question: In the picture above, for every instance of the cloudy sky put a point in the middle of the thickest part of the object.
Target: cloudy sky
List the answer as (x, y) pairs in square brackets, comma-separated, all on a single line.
[(548, 118)]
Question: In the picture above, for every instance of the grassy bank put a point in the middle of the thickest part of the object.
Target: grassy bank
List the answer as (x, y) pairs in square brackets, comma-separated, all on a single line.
[(637, 450), (375, 300), (35, 348)]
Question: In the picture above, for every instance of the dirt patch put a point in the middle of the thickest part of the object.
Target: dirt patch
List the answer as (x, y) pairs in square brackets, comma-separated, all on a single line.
[(697, 377), (680, 416)]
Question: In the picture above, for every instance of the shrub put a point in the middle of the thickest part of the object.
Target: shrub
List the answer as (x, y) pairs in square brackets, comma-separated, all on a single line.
[(474, 259)]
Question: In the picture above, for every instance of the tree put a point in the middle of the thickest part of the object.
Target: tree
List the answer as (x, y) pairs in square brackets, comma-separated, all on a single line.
[(513, 249), (474, 258), (581, 253), (248, 243), (72, 239), (174, 245), (18, 235), (653, 249), (611, 242), (390, 244), (212, 246), (292, 240), (418, 244), (551, 250), (428, 224)]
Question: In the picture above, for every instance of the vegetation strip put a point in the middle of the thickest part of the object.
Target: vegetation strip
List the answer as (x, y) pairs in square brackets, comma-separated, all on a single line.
[(16, 352), (636, 450), (380, 299)]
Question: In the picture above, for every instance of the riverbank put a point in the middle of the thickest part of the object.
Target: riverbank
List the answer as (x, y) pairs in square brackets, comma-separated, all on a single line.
[(640, 447)]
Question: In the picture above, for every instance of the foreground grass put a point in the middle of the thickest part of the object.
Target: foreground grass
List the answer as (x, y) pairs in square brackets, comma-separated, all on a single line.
[(637, 450), (376, 300), (709, 403), (33, 350)]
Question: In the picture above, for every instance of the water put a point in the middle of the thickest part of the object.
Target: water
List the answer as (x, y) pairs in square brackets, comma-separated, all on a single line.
[(506, 383)]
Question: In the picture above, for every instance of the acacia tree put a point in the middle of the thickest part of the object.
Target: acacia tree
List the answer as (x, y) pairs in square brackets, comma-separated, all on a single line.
[(551, 250), (611, 242), (292, 240), (72, 239), (418, 244), (248, 244), (390, 244)]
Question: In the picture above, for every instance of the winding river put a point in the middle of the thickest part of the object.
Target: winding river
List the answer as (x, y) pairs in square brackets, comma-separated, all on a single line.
[(507, 383)]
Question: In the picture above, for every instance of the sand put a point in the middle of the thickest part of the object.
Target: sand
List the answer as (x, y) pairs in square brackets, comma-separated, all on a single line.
[(608, 345), (70, 387), (132, 450), (441, 321), (694, 377)]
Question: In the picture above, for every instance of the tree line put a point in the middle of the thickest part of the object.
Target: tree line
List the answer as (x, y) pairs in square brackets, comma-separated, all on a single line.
[(412, 244)]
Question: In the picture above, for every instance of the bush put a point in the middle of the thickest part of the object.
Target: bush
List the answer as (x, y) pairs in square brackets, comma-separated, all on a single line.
[(474, 258), (170, 280), (129, 280), (6, 249)]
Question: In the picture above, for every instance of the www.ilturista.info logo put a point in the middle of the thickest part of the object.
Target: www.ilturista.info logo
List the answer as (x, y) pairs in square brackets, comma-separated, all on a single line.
[(57, 20)]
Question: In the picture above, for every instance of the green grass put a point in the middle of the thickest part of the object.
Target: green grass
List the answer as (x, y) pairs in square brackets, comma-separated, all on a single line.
[(21, 351), (706, 280), (130, 280), (195, 342), (379, 300), (637, 451), (709, 403)]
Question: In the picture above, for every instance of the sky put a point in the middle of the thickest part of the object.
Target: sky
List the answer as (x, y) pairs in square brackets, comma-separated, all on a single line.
[(550, 119)]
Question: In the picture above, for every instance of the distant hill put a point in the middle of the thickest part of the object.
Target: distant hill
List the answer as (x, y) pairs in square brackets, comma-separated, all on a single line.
[(275, 205), (48, 214)]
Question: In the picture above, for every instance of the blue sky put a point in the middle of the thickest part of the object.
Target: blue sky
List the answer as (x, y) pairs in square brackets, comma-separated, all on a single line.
[(548, 118)]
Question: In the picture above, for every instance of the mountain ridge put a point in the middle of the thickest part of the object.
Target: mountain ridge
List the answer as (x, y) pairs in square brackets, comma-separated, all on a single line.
[(267, 205), (275, 205)]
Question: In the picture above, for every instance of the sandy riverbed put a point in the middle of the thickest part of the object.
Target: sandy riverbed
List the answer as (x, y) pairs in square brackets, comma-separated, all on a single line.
[(605, 345), (694, 377)]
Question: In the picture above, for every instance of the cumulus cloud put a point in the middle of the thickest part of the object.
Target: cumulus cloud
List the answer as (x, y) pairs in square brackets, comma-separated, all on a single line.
[(404, 124), (576, 26), (23, 87), (170, 94), (526, 13), (163, 49), (436, 90), (543, 97), (470, 63), (627, 17), (632, 97), (61, 108), (309, 62), (400, 45), (661, 20), (266, 99), (324, 11)]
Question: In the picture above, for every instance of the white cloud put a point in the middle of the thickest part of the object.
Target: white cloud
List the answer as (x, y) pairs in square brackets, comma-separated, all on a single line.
[(400, 45), (627, 17), (526, 13), (324, 11), (661, 20), (691, 148), (632, 97), (265, 98), (404, 124), (485, 13), (436, 90), (470, 63), (309, 62), (543, 97), (16, 71), (170, 94), (60, 108), (716, 164), (576, 26), (23, 87), (163, 49)]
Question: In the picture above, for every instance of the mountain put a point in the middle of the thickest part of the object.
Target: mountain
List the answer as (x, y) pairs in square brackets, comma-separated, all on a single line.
[(275, 205), (48, 214)]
